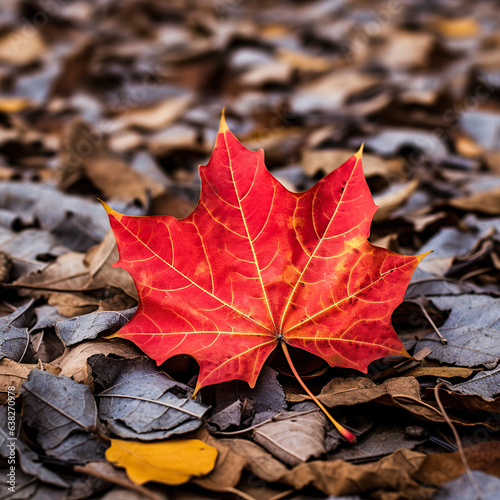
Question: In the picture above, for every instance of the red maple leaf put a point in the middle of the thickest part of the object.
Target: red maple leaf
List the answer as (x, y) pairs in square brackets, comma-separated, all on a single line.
[(255, 264)]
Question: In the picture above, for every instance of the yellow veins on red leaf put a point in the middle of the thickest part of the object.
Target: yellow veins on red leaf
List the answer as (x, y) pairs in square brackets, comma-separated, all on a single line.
[(254, 264)]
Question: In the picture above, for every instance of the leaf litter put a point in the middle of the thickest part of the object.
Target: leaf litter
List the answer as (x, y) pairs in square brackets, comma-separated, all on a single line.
[(126, 112)]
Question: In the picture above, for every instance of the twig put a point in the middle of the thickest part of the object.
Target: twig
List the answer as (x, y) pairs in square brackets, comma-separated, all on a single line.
[(429, 319), (117, 480), (472, 479), (476, 272), (272, 419), (240, 493)]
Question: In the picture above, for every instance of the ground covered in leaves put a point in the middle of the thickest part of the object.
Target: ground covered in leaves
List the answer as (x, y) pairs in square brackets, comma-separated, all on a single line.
[(121, 100)]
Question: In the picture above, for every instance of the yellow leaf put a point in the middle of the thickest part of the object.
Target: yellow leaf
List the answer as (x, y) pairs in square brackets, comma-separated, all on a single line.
[(169, 462)]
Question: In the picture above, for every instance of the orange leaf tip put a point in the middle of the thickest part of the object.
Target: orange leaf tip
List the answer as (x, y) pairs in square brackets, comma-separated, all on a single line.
[(223, 128), (359, 154)]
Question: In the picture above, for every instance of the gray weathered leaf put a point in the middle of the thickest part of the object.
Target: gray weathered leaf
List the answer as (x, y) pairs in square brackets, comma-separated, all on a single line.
[(267, 394), (228, 417), (89, 326), (64, 413), (447, 244), (46, 317), (28, 488), (382, 440), (76, 222), (140, 402), (14, 339), (472, 331), (485, 384), (28, 459)]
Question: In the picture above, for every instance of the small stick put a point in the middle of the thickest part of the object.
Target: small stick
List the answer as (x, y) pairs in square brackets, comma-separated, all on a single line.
[(429, 319), (125, 483), (345, 433), (472, 479)]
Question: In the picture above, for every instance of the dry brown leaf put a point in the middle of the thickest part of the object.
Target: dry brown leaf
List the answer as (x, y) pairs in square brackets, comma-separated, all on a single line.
[(259, 461), (304, 62), (83, 155), (21, 47), (394, 472), (228, 467), (440, 371), (67, 272), (293, 440), (396, 195), (73, 304), (116, 179), (402, 392), (487, 202), (405, 49), (327, 160), (13, 374), (99, 260), (154, 117), (76, 271), (73, 362), (493, 160), (437, 469)]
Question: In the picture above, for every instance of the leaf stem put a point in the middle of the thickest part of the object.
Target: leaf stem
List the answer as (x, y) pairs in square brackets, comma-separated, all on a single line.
[(345, 433)]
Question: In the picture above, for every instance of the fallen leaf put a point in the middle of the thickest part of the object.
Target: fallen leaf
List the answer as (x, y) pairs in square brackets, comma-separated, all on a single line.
[(337, 477), (405, 49), (111, 474), (438, 469), (259, 462), (440, 371), (28, 459), (489, 487), (154, 117), (73, 362), (21, 48), (293, 440), (266, 282), (228, 467), (327, 160), (14, 340), (168, 462), (394, 196), (64, 413), (14, 374), (331, 91), (89, 326), (485, 384), (139, 402), (471, 331), (402, 392)]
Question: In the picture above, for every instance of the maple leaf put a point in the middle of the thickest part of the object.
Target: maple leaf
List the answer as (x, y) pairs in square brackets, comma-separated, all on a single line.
[(255, 264)]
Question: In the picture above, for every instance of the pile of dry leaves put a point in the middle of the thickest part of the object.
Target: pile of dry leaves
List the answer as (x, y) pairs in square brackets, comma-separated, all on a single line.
[(121, 100)]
